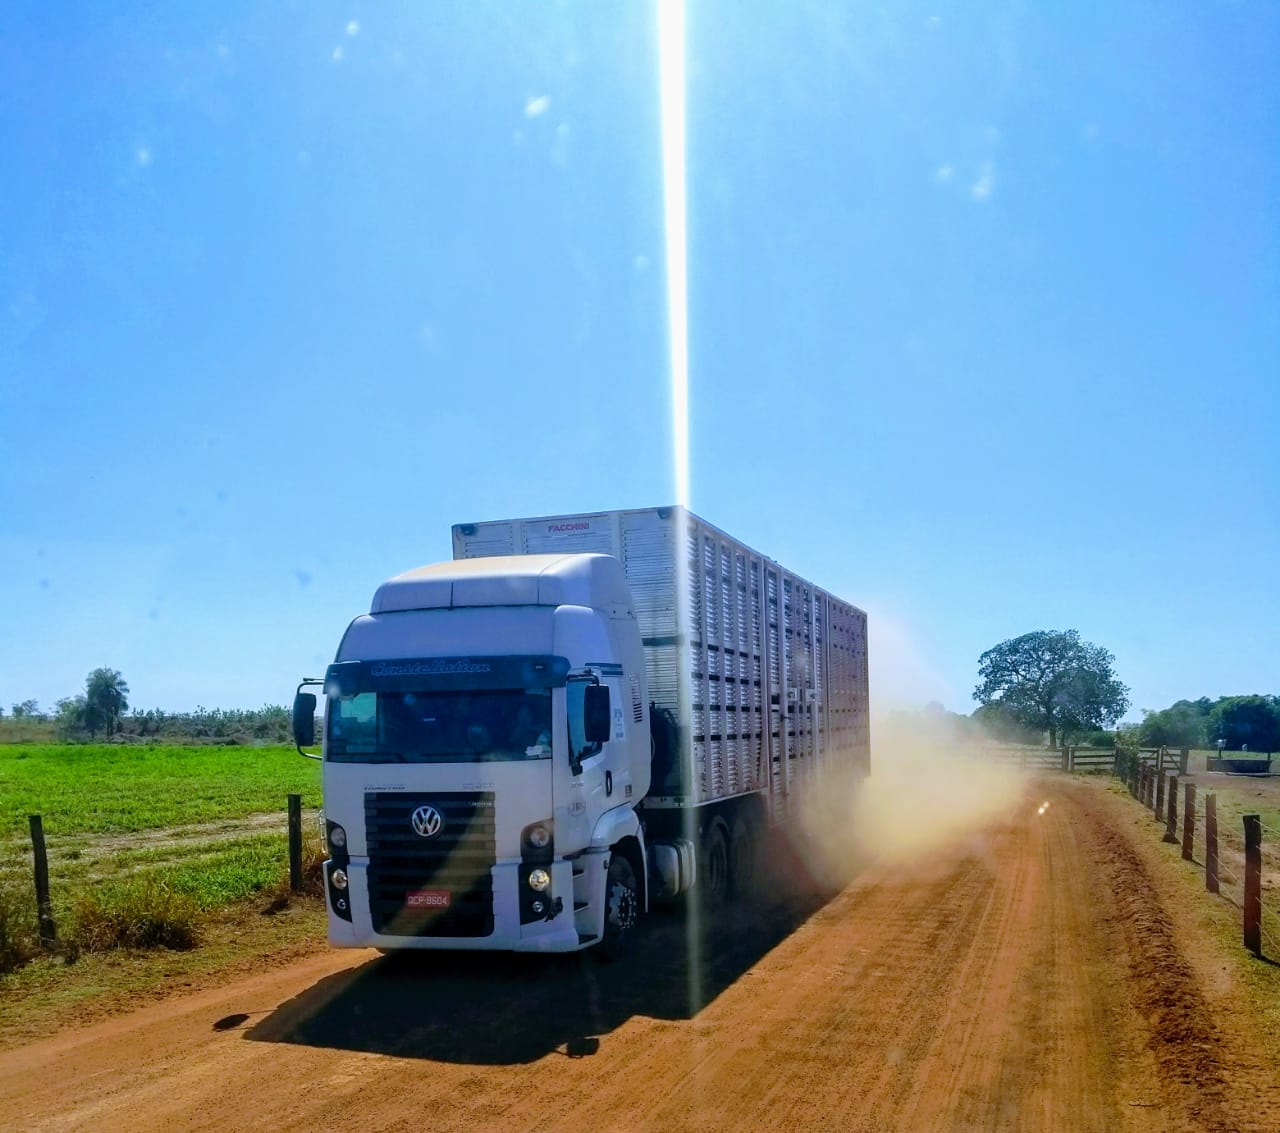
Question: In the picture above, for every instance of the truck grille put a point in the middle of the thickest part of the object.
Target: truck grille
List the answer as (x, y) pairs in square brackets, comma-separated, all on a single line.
[(455, 861)]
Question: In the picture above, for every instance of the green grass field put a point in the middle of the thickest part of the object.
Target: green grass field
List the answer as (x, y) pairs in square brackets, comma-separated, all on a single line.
[(104, 788), (139, 828)]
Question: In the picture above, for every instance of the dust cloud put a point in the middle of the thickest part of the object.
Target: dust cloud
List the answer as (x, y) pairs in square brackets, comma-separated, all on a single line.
[(929, 789), (931, 796)]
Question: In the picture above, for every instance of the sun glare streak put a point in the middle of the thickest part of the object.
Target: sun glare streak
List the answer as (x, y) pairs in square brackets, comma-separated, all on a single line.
[(671, 90), (671, 87)]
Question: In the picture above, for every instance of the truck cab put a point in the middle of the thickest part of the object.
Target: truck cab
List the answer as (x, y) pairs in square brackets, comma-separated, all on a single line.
[(486, 742)]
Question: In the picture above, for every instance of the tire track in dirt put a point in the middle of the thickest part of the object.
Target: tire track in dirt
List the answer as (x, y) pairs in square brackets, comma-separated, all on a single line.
[(1018, 980)]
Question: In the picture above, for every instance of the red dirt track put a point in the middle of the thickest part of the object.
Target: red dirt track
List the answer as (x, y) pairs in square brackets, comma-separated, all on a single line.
[(1025, 978)]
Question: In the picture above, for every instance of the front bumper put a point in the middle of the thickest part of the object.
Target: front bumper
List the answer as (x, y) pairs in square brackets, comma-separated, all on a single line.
[(557, 934)]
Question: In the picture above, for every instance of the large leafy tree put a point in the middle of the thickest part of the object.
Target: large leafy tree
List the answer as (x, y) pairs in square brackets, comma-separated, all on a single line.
[(106, 696), (1241, 720), (1051, 681), (1182, 724)]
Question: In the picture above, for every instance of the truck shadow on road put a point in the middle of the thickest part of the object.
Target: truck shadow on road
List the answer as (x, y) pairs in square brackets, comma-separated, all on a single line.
[(502, 1009)]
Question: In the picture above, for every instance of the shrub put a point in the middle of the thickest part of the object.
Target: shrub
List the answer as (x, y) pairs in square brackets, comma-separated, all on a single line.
[(138, 912), (19, 934)]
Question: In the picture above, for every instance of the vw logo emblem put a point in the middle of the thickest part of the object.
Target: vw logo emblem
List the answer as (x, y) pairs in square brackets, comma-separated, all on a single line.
[(427, 822)]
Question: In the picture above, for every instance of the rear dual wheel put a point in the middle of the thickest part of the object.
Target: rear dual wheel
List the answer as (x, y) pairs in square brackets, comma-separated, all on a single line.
[(713, 868), (728, 862), (742, 858)]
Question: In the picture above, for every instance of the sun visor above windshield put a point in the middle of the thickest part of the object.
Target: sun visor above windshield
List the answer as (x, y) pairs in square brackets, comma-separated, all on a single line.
[(589, 580), (418, 674)]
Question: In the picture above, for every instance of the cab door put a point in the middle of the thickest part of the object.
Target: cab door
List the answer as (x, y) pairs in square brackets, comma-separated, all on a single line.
[(594, 739)]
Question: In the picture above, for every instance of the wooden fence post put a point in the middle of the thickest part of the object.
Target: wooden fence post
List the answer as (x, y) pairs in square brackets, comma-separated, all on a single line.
[(1184, 757), (44, 906), (1066, 757), (295, 843), (1253, 883), (1189, 823), (1171, 821), (1159, 791), (1211, 842)]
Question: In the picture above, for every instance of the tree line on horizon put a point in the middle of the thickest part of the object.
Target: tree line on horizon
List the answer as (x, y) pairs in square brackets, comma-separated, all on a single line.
[(1249, 723), (1048, 685), (1052, 686), (103, 710)]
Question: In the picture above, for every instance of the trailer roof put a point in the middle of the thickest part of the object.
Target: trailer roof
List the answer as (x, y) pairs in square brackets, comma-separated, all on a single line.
[(507, 580)]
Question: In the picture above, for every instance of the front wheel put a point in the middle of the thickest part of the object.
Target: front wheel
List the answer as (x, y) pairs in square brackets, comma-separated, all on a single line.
[(621, 908)]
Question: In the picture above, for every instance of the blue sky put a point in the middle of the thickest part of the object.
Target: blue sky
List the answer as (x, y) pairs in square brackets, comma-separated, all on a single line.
[(984, 321)]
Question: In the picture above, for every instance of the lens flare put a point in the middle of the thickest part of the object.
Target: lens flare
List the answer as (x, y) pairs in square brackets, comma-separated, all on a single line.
[(671, 82), (671, 91)]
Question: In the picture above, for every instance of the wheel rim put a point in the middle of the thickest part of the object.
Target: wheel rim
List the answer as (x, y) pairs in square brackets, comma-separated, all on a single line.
[(623, 906)]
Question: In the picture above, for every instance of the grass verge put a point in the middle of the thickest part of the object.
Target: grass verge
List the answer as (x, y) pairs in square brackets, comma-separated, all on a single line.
[(135, 903), (1214, 922), (49, 994)]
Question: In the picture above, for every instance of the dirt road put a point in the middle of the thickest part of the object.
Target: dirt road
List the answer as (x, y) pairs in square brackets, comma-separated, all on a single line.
[(1021, 980)]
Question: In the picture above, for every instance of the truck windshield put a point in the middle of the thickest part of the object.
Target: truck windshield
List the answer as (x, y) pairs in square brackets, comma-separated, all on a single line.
[(440, 727)]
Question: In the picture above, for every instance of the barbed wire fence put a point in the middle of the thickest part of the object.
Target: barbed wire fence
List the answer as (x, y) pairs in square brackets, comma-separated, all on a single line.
[(1241, 866)]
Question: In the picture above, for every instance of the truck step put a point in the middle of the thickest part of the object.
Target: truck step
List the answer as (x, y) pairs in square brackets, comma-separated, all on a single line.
[(578, 906), (587, 937)]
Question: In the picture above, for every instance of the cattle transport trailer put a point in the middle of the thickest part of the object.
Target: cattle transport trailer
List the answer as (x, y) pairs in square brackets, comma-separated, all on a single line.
[(695, 694)]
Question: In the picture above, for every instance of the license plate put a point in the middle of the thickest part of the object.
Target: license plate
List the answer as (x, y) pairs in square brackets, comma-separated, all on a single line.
[(429, 899)]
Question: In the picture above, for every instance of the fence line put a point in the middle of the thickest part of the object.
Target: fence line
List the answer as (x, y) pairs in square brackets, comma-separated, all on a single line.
[(1233, 868), (48, 932)]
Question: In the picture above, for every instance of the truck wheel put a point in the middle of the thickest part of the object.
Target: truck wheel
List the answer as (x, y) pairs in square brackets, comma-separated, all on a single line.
[(713, 870), (742, 858), (621, 908)]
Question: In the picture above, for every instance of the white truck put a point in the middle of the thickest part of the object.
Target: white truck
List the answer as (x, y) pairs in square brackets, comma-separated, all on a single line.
[(578, 715)]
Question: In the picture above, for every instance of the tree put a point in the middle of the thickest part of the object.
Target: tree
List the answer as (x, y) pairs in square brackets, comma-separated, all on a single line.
[(1053, 682), (106, 695), (70, 715), (997, 723), (1180, 725), (25, 710), (1241, 720)]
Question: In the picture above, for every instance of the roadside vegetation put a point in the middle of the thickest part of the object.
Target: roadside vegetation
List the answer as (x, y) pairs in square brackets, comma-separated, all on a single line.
[(146, 844)]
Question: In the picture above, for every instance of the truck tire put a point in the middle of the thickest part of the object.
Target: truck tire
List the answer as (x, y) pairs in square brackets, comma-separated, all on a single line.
[(713, 869), (621, 908), (742, 858)]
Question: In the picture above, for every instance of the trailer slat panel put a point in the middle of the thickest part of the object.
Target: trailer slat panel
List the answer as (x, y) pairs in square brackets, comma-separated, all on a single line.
[(766, 672)]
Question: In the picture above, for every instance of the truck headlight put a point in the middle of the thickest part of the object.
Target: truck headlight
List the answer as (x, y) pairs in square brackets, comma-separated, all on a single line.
[(539, 880), (337, 837), (538, 842)]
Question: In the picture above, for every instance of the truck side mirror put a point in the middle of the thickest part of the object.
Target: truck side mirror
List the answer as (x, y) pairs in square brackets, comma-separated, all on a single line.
[(596, 714), (304, 719)]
